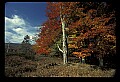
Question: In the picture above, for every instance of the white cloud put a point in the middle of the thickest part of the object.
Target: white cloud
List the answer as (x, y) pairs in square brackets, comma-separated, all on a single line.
[(9, 36), (17, 20), (16, 28)]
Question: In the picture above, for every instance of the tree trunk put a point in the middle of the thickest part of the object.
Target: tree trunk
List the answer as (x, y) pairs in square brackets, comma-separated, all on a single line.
[(101, 62), (83, 60), (64, 42), (8, 47), (80, 59), (64, 51)]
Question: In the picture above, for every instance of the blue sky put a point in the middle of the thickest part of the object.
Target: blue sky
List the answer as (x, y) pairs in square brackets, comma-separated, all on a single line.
[(23, 18)]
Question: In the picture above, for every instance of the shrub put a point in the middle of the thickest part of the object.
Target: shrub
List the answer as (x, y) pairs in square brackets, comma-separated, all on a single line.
[(15, 66)]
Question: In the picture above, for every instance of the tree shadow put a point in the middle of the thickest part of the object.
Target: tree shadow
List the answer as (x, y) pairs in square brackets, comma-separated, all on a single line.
[(117, 73)]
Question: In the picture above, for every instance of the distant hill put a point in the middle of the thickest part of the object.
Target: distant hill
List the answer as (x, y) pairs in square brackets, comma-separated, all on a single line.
[(18, 48), (12, 45)]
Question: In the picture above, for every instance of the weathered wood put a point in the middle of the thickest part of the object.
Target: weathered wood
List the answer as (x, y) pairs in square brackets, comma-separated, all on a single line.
[(64, 51)]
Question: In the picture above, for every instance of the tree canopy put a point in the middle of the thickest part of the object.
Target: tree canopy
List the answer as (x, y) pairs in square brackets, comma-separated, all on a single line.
[(92, 23)]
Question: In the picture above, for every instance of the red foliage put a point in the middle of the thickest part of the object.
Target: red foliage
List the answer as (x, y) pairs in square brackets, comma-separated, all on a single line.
[(51, 29), (90, 18), (93, 21)]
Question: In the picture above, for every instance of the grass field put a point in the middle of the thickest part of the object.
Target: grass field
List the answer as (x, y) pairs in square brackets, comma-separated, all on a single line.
[(16, 66)]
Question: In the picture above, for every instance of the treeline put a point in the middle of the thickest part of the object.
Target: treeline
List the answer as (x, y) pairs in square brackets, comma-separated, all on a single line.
[(91, 25), (23, 49)]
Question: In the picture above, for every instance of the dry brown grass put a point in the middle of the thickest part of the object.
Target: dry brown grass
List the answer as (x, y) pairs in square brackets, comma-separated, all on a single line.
[(68, 70), (15, 66), (53, 67)]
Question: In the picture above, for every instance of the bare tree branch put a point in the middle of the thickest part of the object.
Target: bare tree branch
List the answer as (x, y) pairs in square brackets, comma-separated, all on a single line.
[(59, 48)]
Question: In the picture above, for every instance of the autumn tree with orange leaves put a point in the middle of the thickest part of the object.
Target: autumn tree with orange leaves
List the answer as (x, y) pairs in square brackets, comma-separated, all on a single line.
[(49, 32), (93, 24)]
